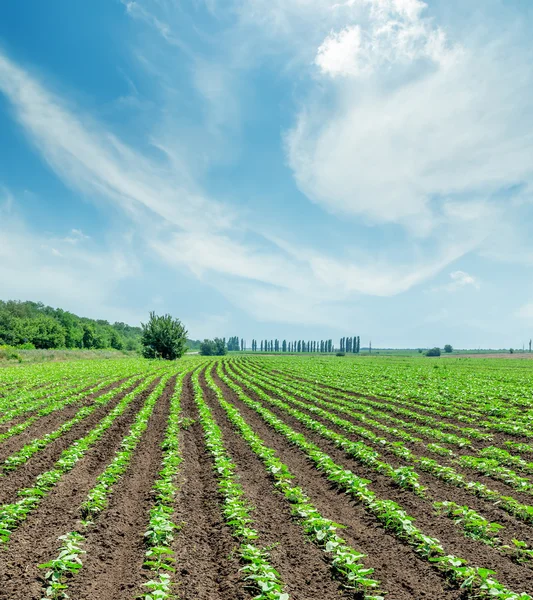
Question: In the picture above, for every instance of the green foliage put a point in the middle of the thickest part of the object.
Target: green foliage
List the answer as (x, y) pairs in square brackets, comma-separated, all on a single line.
[(433, 352), (216, 347), (448, 348), (234, 344), (163, 337), (31, 325), (9, 353)]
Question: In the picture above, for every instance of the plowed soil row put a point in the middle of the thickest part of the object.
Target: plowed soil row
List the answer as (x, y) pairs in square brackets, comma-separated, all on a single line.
[(419, 449), (35, 541), (43, 460), (115, 547), (403, 574), (501, 437), (49, 422), (204, 548), (516, 577), (301, 564)]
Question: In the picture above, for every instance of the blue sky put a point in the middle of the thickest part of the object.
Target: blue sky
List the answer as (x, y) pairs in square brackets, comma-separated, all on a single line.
[(273, 168)]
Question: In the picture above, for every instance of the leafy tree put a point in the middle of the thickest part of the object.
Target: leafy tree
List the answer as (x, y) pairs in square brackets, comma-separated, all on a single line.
[(216, 347), (163, 337), (433, 352), (448, 348), (207, 348), (43, 332)]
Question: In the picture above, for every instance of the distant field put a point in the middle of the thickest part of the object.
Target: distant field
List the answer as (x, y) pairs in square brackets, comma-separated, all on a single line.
[(267, 477)]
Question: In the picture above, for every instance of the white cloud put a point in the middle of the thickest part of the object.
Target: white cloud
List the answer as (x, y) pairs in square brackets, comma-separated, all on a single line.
[(76, 236), (401, 153), (190, 230), (459, 280), (394, 32), (33, 268)]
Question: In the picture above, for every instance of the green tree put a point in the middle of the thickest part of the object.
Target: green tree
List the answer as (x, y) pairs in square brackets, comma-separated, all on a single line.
[(43, 332), (216, 347), (163, 337), (448, 348), (433, 352)]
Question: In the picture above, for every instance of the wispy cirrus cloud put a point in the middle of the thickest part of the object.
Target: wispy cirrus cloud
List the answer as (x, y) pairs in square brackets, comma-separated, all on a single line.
[(186, 227)]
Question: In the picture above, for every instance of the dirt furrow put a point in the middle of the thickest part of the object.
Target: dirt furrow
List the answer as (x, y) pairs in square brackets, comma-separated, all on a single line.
[(43, 460), (301, 564), (49, 423), (112, 567), (206, 566), (516, 577), (438, 489), (35, 541), (403, 404), (403, 574)]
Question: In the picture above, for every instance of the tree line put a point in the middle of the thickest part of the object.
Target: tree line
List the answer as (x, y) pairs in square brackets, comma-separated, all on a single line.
[(34, 325), (347, 344)]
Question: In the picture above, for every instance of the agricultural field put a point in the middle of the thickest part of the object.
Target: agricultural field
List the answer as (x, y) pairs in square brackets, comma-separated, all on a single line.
[(267, 477)]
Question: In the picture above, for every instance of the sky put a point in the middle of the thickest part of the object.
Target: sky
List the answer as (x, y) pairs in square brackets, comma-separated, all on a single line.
[(273, 168)]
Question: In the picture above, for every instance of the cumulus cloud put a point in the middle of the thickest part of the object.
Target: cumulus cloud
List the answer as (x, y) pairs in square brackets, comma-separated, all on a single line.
[(395, 32), (401, 152)]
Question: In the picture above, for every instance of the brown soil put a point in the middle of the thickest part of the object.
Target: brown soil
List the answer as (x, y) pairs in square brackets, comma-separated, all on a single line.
[(48, 423), (35, 541), (301, 564), (499, 439), (470, 474), (204, 548), (517, 578), (112, 567), (402, 573), (23, 477)]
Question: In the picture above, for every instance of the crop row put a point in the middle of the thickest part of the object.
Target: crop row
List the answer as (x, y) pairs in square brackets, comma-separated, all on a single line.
[(97, 498), (11, 515), (490, 467), (347, 563), (257, 570), (159, 534), (495, 415), (22, 456), (390, 514)]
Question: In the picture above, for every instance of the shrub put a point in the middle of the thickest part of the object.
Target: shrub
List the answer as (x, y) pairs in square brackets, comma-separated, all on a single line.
[(340, 354), (163, 337), (448, 348), (9, 353), (433, 352)]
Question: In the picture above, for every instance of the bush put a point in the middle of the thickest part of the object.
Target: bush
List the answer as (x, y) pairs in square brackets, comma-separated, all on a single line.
[(340, 354), (448, 348), (433, 352), (26, 346), (216, 347), (9, 353), (511, 351), (163, 337)]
